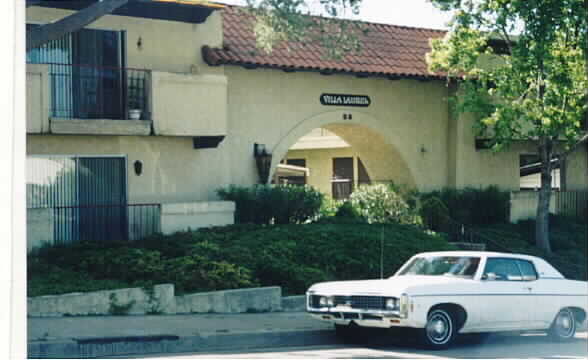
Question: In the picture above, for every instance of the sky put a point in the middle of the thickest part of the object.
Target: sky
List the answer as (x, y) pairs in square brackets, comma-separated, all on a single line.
[(417, 13)]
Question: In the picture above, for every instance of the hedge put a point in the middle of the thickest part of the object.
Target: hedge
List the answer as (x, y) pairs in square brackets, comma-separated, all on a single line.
[(291, 256)]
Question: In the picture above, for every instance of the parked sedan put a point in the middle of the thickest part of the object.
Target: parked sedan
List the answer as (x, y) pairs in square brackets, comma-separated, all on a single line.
[(442, 294)]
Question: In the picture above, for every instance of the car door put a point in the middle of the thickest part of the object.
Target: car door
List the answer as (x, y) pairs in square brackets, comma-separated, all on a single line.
[(507, 301)]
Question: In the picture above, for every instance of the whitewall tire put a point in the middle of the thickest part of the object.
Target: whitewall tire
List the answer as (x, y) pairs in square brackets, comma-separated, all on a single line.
[(440, 330), (564, 325)]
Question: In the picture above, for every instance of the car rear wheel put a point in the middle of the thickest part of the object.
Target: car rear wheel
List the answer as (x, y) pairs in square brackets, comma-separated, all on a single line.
[(563, 327), (440, 330)]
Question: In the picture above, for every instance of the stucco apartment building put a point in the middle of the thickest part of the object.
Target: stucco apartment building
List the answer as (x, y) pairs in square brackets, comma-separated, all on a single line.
[(135, 121)]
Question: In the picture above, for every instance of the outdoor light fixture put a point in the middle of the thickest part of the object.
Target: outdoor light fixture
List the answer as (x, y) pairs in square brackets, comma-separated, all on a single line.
[(140, 43), (138, 165), (263, 160)]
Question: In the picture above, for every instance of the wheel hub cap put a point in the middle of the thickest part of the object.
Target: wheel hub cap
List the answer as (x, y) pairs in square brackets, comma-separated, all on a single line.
[(565, 322), (439, 327)]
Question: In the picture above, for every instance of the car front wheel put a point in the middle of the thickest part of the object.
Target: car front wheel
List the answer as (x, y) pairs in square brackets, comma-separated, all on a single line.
[(439, 331), (563, 327)]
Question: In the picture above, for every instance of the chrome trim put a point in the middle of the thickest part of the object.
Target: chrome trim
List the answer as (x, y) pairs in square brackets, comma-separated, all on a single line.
[(336, 310)]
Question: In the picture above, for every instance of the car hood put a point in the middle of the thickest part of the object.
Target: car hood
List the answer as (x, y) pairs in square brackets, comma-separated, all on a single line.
[(393, 286)]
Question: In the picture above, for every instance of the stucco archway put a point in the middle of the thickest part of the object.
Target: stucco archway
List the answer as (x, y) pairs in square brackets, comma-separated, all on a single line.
[(366, 135)]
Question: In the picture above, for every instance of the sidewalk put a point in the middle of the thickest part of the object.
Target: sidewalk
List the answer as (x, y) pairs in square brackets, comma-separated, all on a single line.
[(101, 336)]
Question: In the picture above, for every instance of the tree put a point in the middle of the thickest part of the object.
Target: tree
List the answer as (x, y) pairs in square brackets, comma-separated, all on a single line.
[(41, 35), (282, 21), (535, 89)]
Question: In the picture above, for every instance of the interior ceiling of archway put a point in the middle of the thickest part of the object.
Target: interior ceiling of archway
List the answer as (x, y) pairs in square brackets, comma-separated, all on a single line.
[(319, 138), (381, 159)]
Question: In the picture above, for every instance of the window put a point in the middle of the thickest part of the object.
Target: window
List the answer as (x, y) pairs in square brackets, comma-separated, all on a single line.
[(443, 265), (502, 269), (527, 269)]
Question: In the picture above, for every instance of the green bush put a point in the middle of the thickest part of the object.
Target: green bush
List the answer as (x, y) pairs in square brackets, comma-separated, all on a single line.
[(281, 204), (292, 256), (193, 273), (568, 243), (381, 204), (475, 207), (435, 214)]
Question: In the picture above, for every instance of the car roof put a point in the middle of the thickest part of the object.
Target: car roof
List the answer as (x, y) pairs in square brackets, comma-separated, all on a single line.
[(478, 253), (544, 269)]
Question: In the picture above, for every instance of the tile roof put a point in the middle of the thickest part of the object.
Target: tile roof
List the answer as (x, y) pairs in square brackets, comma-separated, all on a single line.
[(387, 51)]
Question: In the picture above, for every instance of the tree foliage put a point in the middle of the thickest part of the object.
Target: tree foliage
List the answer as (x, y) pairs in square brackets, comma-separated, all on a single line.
[(283, 22), (521, 66)]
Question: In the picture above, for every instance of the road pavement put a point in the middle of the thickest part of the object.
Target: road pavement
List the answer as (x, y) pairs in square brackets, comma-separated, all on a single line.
[(496, 346)]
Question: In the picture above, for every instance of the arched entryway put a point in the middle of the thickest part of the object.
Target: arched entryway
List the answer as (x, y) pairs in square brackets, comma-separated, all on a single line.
[(372, 156)]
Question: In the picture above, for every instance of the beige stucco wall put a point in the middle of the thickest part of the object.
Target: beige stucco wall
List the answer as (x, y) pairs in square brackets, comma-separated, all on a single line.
[(577, 169), (165, 45), (470, 167), (172, 170), (277, 108), (189, 105), (406, 135)]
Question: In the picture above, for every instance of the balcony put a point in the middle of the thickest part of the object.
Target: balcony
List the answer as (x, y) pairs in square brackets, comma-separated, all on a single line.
[(92, 100), (83, 99)]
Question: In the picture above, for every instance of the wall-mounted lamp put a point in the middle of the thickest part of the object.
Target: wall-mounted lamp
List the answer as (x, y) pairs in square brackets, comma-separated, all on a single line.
[(140, 43), (263, 160), (138, 165), (423, 149)]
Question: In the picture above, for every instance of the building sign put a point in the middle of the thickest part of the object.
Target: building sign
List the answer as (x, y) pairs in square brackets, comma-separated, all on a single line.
[(345, 100)]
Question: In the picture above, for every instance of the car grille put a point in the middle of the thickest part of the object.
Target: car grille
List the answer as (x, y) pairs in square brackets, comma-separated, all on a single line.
[(355, 302)]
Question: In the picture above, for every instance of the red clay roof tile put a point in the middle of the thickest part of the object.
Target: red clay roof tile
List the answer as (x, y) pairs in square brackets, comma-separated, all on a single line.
[(387, 50)]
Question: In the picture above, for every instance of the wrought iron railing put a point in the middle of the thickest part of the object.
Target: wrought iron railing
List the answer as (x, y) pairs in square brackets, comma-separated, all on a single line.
[(94, 92), (105, 223)]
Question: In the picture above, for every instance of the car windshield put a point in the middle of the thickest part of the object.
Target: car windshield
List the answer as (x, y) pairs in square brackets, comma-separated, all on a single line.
[(462, 266)]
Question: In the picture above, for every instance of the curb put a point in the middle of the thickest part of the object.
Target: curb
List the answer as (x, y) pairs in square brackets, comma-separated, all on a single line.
[(85, 348)]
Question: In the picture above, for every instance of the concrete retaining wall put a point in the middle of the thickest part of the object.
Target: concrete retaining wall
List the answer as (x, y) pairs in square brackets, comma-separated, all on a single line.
[(266, 299), (161, 300), (181, 216), (294, 303), (132, 301)]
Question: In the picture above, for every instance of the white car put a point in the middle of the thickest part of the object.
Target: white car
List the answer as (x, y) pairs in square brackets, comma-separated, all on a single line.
[(443, 294)]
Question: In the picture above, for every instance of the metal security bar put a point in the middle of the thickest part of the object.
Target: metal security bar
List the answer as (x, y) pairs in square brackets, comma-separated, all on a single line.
[(572, 203), (108, 222), (98, 92)]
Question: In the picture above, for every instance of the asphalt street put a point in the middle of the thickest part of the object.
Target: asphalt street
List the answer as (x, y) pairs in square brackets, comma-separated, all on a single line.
[(495, 346)]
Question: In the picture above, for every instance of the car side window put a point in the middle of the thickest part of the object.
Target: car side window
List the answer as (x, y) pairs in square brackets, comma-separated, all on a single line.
[(502, 269), (528, 270)]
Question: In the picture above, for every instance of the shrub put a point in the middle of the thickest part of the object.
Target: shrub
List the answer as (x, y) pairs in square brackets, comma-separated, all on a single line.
[(476, 207), (381, 204), (435, 214), (198, 273), (292, 256), (282, 204)]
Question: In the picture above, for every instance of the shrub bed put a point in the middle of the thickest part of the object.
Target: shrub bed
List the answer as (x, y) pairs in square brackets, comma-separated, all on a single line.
[(239, 256), (278, 204)]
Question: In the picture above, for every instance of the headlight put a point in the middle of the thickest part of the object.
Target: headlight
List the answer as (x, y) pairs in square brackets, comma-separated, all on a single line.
[(326, 301), (391, 303), (404, 304)]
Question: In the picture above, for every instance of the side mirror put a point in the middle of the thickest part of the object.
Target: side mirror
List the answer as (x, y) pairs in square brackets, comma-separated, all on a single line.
[(489, 276)]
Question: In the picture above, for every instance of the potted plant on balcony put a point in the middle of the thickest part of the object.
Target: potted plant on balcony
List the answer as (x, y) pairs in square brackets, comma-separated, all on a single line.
[(135, 103)]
